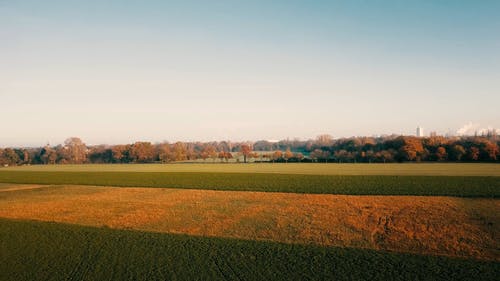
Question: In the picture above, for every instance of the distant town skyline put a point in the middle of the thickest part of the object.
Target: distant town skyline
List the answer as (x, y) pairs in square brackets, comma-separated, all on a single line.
[(121, 71)]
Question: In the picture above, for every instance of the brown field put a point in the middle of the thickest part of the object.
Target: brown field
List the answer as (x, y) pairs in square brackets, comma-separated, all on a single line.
[(459, 227)]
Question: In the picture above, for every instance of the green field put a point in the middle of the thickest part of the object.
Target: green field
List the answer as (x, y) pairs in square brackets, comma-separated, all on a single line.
[(477, 186), (31, 250), (37, 251), (408, 169)]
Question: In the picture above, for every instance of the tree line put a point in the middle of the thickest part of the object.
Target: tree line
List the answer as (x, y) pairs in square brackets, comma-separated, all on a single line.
[(324, 148)]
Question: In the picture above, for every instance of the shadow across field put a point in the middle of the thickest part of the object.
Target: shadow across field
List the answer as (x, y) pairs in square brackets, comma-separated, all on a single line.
[(459, 186), (48, 251)]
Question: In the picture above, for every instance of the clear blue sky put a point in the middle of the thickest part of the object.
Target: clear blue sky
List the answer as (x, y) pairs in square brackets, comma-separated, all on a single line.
[(121, 71)]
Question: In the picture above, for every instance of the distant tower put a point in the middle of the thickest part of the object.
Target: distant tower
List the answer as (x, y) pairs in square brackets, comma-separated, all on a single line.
[(420, 132)]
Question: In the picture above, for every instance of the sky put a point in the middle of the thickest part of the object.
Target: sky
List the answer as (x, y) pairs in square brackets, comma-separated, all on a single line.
[(122, 71)]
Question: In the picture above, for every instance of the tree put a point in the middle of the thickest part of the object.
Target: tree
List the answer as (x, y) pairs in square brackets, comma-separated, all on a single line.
[(341, 155), (387, 155), (277, 155), (100, 154), (411, 149), (223, 155), (212, 153), (288, 154), (245, 150), (209, 151), (300, 157), (254, 155), (441, 154), (324, 140), (75, 151), (228, 155), (163, 151), (435, 141), (263, 145), (48, 155), (204, 155), (26, 156), (319, 154), (9, 157), (457, 152), (191, 152), (492, 150), (180, 151), (380, 149), (121, 153), (369, 156), (142, 152), (474, 153)]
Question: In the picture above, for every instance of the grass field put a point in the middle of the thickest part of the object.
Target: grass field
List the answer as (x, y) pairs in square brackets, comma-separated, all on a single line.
[(85, 253), (459, 227), (461, 186), (118, 231), (409, 169)]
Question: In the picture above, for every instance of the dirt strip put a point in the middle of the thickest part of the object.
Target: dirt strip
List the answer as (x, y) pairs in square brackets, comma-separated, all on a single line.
[(5, 188), (459, 227)]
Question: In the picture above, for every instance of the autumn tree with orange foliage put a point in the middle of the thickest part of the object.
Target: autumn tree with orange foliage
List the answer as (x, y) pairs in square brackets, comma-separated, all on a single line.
[(180, 151), (164, 152), (277, 155), (120, 153), (347, 150), (492, 150), (288, 154), (412, 148), (209, 151), (441, 154), (245, 150), (142, 152)]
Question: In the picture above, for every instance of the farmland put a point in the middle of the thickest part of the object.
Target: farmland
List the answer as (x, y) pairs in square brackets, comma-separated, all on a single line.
[(33, 250), (406, 169), (250, 222), (422, 225), (477, 186)]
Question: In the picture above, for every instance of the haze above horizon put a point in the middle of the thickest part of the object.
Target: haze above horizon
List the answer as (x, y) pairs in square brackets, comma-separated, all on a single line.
[(121, 71)]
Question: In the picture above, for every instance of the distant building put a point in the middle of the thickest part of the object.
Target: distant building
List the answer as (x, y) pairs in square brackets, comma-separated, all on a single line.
[(420, 132)]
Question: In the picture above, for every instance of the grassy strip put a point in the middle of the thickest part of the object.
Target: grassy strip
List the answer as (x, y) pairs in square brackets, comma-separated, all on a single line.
[(400, 169), (321, 184), (48, 251)]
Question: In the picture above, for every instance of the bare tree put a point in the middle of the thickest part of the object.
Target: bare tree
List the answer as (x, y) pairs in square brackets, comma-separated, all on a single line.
[(75, 150)]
